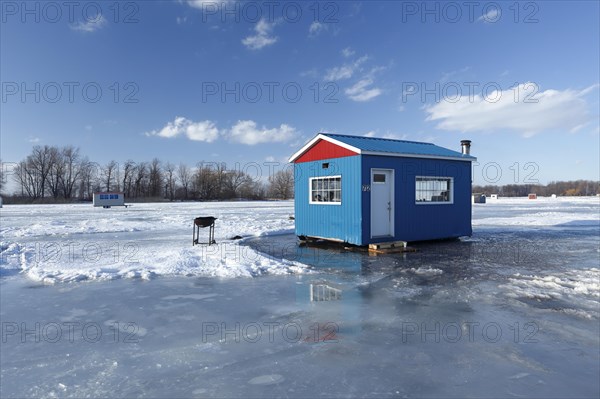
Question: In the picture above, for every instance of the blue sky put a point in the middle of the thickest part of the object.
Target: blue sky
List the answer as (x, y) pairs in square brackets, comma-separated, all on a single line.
[(250, 82)]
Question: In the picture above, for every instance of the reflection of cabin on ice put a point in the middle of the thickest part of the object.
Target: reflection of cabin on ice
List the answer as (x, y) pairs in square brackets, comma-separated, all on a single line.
[(108, 199), (363, 190)]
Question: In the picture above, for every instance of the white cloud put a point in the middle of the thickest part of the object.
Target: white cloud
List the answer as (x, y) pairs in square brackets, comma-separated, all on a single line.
[(263, 36), (202, 131), (316, 28), (203, 4), (395, 136), (388, 135), (361, 90), (90, 25), (348, 52), (244, 131), (339, 73), (34, 140), (493, 15), (181, 20), (247, 132), (524, 109), (345, 71), (196, 131)]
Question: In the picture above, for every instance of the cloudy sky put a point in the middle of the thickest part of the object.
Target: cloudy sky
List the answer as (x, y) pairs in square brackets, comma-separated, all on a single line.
[(250, 82)]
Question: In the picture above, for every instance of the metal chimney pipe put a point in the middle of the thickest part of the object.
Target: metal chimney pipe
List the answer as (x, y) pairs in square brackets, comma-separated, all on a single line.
[(465, 147)]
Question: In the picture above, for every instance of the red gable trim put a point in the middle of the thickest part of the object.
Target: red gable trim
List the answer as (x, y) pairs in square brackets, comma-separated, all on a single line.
[(323, 149)]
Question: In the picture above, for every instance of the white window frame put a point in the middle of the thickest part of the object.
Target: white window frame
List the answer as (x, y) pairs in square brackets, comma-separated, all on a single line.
[(450, 202), (310, 192)]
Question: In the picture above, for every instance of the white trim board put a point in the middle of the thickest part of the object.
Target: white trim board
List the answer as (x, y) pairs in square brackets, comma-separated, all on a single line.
[(318, 137)]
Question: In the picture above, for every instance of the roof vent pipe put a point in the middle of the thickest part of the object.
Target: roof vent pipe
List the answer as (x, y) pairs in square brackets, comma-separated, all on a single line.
[(465, 147)]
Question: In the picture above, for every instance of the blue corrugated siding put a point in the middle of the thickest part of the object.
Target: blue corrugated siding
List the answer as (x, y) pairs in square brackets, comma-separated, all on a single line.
[(415, 222), (339, 222)]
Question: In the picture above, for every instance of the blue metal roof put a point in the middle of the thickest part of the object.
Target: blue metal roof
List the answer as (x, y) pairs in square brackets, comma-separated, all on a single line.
[(379, 145)]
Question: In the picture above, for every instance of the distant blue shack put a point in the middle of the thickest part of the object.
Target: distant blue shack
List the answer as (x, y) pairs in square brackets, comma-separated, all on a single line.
[(363, 190)]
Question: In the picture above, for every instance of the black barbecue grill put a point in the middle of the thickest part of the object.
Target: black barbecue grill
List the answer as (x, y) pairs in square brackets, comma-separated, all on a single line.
[(204, 221)]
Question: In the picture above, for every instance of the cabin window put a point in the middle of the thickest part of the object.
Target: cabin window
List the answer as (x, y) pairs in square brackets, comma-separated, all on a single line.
[(434, 190), (378, 178), (109, 196), (326, 190)]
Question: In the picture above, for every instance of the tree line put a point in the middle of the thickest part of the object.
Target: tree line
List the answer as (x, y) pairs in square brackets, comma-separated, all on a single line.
[(55, 174), (560, 188)]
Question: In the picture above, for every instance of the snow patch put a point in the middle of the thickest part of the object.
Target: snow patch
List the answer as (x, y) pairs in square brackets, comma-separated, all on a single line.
[(69, 243), (574, 292)]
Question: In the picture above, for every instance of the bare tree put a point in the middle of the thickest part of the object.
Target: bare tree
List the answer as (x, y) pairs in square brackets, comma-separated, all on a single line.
[(205, 181), (184, 174), (253, 190), (40, 160), (170, 180), (56, 172), (236, 180), (281, 184), (32, 173), (109, 174), (128, 176), (89, 172), (26, 180), (71, 170), (141, 178), (155, 178)]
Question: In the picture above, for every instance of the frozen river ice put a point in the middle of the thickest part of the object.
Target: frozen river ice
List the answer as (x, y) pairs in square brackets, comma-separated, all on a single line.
[(117, 303)]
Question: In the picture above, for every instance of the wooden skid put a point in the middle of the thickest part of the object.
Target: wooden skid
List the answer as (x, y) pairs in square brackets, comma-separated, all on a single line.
[(372, 249), (391, 250), (388, 245)]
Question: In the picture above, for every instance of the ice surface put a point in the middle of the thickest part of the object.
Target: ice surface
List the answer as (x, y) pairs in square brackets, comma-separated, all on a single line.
[(513, 311), (62, 243)]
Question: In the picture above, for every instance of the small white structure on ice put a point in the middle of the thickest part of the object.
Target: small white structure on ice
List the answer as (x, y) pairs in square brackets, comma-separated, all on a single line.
[(108, 199), (478, 198)]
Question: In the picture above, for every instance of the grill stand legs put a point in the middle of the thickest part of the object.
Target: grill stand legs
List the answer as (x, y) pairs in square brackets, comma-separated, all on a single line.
[(196, 235)]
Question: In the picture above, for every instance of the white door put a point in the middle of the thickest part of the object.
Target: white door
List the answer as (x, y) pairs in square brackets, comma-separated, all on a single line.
[(382, 202)]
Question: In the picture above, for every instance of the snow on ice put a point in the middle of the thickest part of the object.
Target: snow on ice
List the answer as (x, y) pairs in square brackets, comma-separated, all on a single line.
[(61, 243)]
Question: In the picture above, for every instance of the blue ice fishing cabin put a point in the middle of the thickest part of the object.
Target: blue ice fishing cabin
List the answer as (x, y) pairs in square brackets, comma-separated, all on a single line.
[(363, 190)]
